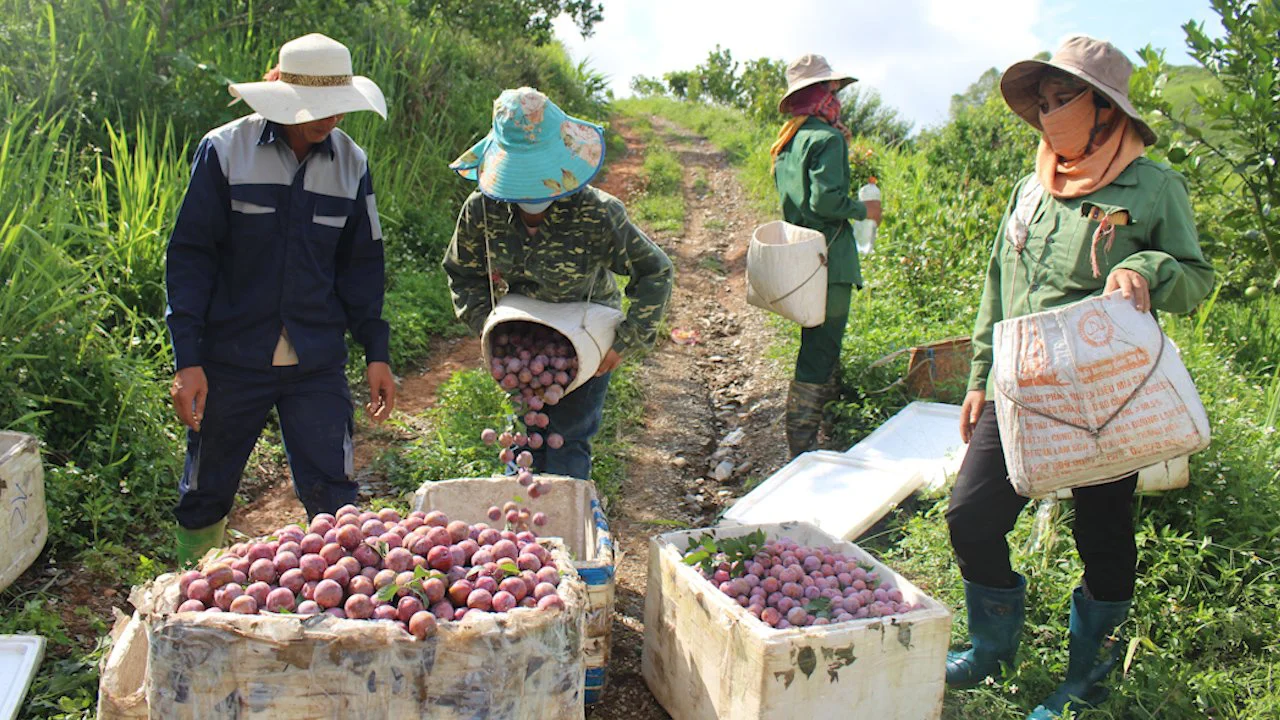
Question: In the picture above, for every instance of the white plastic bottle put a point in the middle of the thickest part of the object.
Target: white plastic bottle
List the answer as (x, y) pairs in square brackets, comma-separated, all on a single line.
[(864, 231)]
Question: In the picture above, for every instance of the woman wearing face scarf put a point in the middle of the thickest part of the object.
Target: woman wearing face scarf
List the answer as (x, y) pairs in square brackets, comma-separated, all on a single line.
[(811, 171), (1096, 216)]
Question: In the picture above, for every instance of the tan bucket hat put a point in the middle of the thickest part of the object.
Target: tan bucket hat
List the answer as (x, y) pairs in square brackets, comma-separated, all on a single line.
[(1096, 62), (810, 70), (315, 82)]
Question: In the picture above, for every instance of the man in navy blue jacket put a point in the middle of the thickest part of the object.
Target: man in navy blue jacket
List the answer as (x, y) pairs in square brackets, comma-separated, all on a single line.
[(276, 253)]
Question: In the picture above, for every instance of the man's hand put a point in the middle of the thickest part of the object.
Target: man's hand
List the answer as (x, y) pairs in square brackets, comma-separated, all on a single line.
[(1132, 285), (873, 210), (970, 412), (610, 361), (382, 391), (189, 391)]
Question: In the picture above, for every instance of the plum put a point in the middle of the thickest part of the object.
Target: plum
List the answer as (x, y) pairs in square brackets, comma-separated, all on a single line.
[(489, 436), (550, 602), (350, 564), (358, 607), (244, 605), (549, 575), (328, 594), (263, 570), (487, 582), (191, 606), (460, 591), (535, 441), (185, 579), (258, 551), (555, 441), (480, 599), (367, 556), (349, 536), (524, 459), (408, 607), (361, 585), (337, 574), (525, 478), (515, 586), (439, 558), (434, 589), (293, 580), (543, 589), (258, 591), (279, 599), (308, 607), (332, 553), (312, 566), (503, 601), (224, 595), (435, 518), (398, 559), (494, 513), (506, 456), (217, 575)]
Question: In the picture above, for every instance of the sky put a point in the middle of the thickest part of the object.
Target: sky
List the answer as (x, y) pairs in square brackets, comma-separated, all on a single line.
[(916, 53)]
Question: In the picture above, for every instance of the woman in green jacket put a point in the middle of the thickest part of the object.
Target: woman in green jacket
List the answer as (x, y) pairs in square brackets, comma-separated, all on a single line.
[(811, 171), (1095, 217)]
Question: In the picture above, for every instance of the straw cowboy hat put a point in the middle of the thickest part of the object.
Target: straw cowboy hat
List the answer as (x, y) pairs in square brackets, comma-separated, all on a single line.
[(534, 153), (315, 83), (810, 70), (1095, 62)]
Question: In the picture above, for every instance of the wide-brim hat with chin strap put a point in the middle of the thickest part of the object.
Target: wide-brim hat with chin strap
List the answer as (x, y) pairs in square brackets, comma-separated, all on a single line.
[(1095, 62), (315, 82), (810, 70), (534, 153)]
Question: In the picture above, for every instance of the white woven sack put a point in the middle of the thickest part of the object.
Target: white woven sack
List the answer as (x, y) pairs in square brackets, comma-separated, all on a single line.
[(787, 272), (589, 326), (1089, 393)]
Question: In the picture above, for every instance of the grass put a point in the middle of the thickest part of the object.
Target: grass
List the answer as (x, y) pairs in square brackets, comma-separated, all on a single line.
[(1209, 555)]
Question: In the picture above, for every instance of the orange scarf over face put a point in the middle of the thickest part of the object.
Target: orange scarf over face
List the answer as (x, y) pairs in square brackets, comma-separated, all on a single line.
[(1066, 134)]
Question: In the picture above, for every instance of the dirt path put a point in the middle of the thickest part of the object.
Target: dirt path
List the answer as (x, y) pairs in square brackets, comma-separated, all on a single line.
[(696, 396)]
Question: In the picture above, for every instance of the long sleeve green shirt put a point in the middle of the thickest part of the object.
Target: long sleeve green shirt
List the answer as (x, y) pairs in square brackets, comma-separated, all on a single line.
[(582, 242), (1159, 242), (813, 179)]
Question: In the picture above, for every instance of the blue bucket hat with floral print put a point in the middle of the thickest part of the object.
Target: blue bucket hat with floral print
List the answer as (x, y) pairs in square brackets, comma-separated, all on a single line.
[(535, 151)]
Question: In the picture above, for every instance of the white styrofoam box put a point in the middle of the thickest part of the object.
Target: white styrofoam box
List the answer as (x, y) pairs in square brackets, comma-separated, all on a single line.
[(574, 514), (923, 439), (840, 494), (20, 655), (706, 657), (24, 525)]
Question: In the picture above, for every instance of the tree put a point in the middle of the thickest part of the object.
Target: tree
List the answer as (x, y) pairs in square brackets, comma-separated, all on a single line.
[(678, 81), (646, 86), (1227, 147), (716, 79), (863, 111), (760, 86), (510, 18)]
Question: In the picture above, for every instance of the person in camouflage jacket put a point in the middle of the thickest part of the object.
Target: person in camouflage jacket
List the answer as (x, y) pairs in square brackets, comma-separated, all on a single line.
[(535, 227)]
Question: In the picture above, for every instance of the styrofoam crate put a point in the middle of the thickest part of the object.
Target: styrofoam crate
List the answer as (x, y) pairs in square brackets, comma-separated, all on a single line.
[(840, 494), (923, 439), (706, 657), (20, 656), (574, 514), (24, 523)]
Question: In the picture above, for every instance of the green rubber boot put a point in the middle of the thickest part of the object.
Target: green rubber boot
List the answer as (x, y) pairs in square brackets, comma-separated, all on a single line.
[(1091, 659), (804, 415), (995, 626), (193, 544)]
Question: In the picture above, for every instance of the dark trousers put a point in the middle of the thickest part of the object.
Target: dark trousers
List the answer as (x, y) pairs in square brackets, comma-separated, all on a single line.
[(315, 419), (820, 346), (577, 418), (984, 508)]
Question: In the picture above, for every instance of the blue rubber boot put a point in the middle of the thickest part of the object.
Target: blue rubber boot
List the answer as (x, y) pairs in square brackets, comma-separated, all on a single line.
[(1092, 657), (995, 626)]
